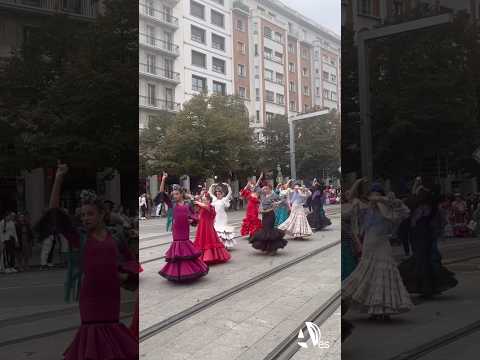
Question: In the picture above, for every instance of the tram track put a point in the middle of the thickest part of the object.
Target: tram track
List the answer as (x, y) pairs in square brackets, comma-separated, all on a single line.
[(289, 346), (439, 342), (165, 324)]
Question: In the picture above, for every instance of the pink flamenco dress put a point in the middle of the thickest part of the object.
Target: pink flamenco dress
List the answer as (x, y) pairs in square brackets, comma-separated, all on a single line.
[(94, 272), (207, 240), (184, 262), (251, 223)]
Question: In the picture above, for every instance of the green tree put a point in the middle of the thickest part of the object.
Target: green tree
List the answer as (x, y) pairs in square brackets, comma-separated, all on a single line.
[(274, 149)]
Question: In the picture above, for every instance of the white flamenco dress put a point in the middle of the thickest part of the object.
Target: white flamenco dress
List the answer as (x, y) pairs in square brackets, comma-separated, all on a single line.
[(224, 231)]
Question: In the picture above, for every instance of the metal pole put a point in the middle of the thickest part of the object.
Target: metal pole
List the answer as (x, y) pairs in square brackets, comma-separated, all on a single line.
[(365, 121), (293, 170)]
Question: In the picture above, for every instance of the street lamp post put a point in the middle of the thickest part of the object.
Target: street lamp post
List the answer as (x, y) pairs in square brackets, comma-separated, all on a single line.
[(291, 126)]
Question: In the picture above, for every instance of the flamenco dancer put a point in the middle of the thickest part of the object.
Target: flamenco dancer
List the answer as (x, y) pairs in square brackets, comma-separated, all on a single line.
[(221, 204), (251, 223), (317, 218), (268, 238), (206, 239), (94, 277), (282, 210), (297, 224), (375, 286), (184, 262)]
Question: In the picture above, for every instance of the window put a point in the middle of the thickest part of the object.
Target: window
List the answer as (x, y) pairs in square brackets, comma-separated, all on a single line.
[(317, 91), (304, 52), (151, 63), (291, 49), (365, 7), (326, 94), (240, 25), (256, 49), (218, 42), (218, 65), (291, 67), (217, 19), (317, 53), (151, 95), (306, 107), (242, 92), (293, 106), (270, 96), (258, 116), (290, 27), (332, 62), (317, 71), (267, 32), (333, 96), (278, 37), (150, 35), (279, 56), (279, 78), (241, 47), (280, 99), (257, 94), (333, 78), (306, 91), (199, 59), (269, 74), (325, 75), (305, 72), (197, 10), (218, 88), (268, 52), (220, 2), (198, 34), (291, 86), (241, 70), (199, 83), (269, 116)]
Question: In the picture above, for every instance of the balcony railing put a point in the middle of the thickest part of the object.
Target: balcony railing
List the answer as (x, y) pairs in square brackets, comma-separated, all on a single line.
[(274, 59), (158, 14), (160, 104), (275, 81), (159, 44), (158, 71), (84, 8), (238, 5)]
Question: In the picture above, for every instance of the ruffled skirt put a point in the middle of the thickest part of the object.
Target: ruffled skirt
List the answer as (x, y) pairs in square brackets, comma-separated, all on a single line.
[(297, 224), (268, 238), (281, 215), (227, 236), (317, 219), (103, 341), (375, 287), (183, 262)]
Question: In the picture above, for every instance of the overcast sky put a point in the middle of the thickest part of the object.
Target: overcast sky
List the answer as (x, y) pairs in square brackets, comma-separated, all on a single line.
[(325, 12)]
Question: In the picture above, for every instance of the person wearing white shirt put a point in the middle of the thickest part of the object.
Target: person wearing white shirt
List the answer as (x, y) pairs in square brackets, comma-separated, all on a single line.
[(8, 237)]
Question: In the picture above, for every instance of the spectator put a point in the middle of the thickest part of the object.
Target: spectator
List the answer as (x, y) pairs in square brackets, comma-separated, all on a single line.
[(10, 242), (25, 239)]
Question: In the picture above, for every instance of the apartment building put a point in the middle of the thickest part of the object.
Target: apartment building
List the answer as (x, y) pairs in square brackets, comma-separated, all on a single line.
[(261, 50)]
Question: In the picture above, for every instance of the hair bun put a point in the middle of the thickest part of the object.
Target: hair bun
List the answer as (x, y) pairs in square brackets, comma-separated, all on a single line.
[(88, 196)]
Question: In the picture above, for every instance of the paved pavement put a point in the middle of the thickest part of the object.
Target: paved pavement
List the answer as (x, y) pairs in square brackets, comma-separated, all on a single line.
[(250, 323), (431, 321)]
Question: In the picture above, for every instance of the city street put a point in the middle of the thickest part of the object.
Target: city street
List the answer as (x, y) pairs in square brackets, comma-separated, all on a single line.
[(439, 329), (249, 308)]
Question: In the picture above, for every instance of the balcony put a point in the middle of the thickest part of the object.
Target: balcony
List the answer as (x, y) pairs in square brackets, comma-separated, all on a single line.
[(159, 44), (275, 81), (159, 73), (77, 8), (274, 59), (152, 13), (240, 6), (151, 103)]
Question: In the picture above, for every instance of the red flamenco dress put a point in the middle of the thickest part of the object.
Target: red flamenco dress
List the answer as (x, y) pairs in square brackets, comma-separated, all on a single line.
[(184, 262), (251, 223), (94, 271), (207, 240)]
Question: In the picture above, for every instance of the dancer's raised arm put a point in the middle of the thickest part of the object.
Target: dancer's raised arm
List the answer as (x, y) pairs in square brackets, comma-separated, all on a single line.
[(62, 169), (210, 191), (162, 184), (229, 194), (259, 180)]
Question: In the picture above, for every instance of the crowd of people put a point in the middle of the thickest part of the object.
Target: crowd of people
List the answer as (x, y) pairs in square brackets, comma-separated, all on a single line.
[(288, 209), (372, 281)]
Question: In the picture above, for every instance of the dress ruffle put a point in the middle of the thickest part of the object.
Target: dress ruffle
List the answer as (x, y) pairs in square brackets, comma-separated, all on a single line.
[(183, 262), (297, 224), (317, 219), (103, 341), (182, 250), (215, 255), (375, 286)]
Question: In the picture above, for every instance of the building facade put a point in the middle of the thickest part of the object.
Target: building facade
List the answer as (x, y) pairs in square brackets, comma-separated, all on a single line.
[(276, 59)]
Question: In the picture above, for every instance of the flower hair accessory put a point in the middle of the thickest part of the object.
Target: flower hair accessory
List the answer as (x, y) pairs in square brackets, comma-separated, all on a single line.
[(88, 196)]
